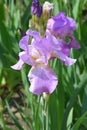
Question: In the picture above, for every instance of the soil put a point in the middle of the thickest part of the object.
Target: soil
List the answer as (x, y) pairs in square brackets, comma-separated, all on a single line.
[(16, 97)]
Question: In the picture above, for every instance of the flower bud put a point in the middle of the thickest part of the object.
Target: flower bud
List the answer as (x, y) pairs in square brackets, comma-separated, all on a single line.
[(47, 9), (22, 32), (36, 8)]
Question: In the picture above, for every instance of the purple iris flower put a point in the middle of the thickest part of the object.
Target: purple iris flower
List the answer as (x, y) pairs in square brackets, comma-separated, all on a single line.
[(36, 8), (62, 26), (37, 54), (37, 50), (40, 72)]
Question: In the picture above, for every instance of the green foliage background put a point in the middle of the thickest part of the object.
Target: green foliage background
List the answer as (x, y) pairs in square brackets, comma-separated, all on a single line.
[(66, 108)]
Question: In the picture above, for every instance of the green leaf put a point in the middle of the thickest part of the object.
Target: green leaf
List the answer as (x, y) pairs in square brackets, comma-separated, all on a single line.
[(2, 13), (70, 119), (56, 7), (8, 47), (26, 2), (76, 9), (27, 15), (72, 100), (84, 123), (84, 102), (79, 121)]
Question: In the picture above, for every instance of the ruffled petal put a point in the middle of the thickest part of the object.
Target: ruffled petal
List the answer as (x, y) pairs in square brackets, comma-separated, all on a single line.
[(18, 65), (42, 79), (61, 25)]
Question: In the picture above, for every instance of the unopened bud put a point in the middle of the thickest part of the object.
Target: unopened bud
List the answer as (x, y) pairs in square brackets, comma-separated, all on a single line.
[(36, 8), (47, 9), (22, 32)]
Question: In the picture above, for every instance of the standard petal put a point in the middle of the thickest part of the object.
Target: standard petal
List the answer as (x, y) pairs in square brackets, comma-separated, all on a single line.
[(42, 79), (18, 65), (61, 25), (24, 43), (72, 23), (44, 49), (58, 25), (35, 34)]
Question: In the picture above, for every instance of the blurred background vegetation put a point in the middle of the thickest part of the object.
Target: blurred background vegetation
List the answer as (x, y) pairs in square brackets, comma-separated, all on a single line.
[(66, 108)]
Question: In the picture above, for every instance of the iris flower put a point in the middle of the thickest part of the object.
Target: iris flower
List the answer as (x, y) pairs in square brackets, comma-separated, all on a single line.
[(41, 75), (37, 54), (62, 26)]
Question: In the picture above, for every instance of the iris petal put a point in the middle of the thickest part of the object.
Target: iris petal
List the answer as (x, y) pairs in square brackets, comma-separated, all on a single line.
[(35, 34), (42, 79), (73, 43), (18, 65), (65, 59), (26, 58), (24, 43)]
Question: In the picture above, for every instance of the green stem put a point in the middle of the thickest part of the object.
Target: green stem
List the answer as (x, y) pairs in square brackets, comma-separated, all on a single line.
[(45, 114)]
